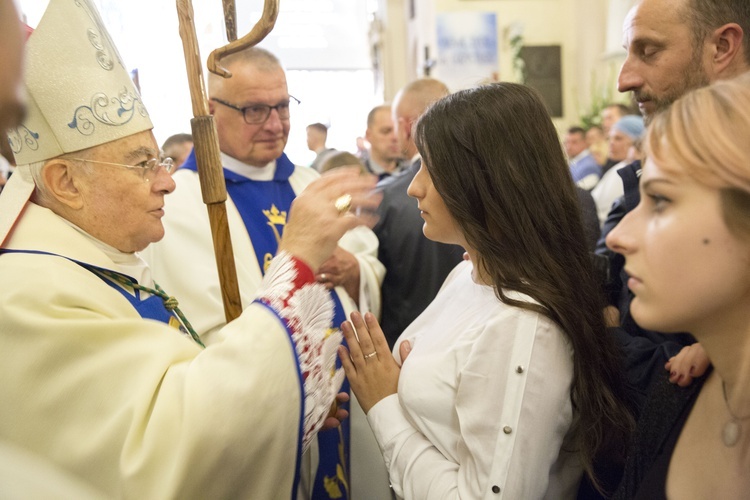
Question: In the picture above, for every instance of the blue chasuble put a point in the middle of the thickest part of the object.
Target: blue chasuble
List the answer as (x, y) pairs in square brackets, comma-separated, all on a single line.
[(264, 206)]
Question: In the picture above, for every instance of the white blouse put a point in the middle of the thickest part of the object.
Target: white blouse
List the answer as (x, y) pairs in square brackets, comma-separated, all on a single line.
[(483, 406)]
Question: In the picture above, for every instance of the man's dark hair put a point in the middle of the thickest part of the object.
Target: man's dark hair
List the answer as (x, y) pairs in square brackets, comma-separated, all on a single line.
[(576, 130), (707, 15)]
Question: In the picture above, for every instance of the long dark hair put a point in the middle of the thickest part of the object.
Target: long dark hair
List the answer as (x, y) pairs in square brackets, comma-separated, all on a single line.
[(495, 158)]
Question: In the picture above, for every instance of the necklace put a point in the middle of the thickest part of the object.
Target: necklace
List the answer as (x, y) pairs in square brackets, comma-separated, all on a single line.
[(732, 429)]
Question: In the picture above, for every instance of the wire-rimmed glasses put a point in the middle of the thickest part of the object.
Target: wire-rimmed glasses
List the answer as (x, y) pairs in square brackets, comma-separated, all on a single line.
[(148, 169), (259, 113)]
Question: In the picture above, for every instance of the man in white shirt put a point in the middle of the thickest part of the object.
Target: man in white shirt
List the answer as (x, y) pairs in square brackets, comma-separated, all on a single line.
[(583, 167)]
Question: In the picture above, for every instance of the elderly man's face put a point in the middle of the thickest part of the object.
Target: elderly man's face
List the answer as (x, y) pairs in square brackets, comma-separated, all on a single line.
[(663, 62), (122, 207), (11, 55), (256, 144)]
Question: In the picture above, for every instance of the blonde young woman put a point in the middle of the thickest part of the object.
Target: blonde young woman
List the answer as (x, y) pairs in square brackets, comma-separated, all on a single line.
[(506, 386), (687, 251)]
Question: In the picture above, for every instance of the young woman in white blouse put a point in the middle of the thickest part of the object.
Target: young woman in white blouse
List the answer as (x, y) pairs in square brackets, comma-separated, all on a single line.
[(511, 387)]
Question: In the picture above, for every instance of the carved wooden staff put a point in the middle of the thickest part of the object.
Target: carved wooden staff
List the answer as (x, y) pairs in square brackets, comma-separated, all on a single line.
[(230, 19), (262, 28), (206, 140)]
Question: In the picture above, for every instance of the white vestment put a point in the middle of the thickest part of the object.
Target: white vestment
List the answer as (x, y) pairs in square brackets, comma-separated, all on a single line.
[(132, 406), (183, 263)]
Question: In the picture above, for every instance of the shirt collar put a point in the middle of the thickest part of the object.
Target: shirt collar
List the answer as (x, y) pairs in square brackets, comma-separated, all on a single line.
[(580, 156), (264, 173)]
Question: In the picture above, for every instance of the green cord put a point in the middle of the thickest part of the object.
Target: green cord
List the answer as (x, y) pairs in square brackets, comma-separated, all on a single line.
[(169, 302)]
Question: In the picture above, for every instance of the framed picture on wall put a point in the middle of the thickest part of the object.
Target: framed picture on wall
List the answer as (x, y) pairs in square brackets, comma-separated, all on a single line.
[(467, 48), (543, 72)]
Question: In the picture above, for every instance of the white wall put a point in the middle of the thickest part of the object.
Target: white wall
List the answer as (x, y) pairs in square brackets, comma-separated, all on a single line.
[(146, 32), (588, 31)]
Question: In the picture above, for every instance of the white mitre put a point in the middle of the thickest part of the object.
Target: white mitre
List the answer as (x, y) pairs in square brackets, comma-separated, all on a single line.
[(79, 95)]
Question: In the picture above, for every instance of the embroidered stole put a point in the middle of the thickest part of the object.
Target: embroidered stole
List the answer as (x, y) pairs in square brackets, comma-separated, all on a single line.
[(151, 307)]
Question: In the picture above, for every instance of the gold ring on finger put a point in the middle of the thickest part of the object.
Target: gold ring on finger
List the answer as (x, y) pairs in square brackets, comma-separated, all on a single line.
[(343, 203)]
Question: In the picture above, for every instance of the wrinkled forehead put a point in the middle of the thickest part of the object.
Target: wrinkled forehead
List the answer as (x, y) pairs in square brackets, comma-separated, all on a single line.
[(133, 148), (249, 78)]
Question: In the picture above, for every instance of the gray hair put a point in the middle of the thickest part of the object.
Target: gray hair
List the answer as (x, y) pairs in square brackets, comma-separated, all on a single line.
[(41, 192), (41, 195)]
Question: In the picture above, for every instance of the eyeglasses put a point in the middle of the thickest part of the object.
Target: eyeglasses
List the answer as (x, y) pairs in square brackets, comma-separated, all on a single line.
[(259, 113), (148, 169)]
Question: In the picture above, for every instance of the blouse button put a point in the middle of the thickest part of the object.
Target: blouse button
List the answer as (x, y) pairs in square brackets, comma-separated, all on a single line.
[(519, 369), (496, 489), (507, 429)]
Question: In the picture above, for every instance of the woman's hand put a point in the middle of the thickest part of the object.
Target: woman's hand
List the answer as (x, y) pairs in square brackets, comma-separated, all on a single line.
[(370, 367), (691, 362)]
